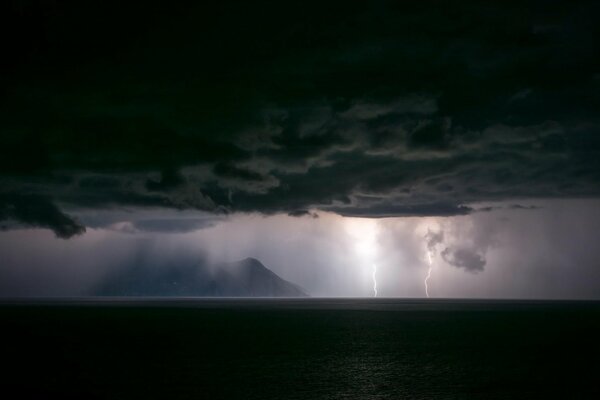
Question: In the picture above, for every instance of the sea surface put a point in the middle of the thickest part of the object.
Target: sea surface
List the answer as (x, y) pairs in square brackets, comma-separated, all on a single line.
[(300, 349)]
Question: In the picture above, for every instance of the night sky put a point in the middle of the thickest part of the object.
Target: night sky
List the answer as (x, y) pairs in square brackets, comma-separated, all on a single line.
[(318, 137)]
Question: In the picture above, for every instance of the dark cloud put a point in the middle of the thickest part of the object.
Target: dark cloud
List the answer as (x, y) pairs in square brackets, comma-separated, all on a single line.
[(464, 258), (509, 207), (523, 207), (379, 109), (38, 211), (169, 179), (174, 225), (392, 210), (303, 213), (231, 171)]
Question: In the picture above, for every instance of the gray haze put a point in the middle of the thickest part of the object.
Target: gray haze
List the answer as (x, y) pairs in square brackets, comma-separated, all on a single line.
[(503, 251)]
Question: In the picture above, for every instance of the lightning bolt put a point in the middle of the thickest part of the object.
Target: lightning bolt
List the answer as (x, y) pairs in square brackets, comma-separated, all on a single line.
[(428, 273), (374, 280)]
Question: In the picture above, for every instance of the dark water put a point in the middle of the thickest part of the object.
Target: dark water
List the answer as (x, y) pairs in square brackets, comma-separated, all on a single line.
[(301, 349)]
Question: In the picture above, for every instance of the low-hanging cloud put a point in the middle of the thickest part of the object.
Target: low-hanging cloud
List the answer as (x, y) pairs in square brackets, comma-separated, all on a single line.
[(38, 211), (464, 258)]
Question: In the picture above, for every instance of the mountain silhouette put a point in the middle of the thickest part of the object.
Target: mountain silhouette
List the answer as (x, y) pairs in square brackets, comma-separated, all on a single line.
[(244, 278)]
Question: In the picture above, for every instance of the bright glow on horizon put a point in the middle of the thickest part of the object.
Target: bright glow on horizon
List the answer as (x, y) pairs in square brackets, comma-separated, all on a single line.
[(363, 233)]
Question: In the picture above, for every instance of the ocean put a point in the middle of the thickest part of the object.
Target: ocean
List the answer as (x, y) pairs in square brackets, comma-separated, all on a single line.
[(300, 349)]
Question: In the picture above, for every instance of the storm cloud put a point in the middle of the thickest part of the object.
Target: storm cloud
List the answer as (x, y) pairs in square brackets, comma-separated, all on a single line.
[(374, 110), (37, 211)]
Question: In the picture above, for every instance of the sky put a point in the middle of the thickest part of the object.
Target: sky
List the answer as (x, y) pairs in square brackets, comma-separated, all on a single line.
[(329, 140)]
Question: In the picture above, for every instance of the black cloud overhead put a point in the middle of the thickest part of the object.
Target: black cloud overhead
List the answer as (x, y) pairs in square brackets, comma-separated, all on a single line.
[(371, 109)]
